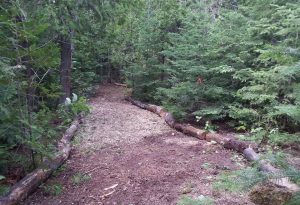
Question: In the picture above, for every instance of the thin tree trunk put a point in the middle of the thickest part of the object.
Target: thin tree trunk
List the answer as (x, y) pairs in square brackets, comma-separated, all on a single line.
[(30, 93), (30, 90), (65, 67)]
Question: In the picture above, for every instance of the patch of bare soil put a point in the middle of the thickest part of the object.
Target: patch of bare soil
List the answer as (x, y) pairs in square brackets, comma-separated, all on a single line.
[(125, 155)]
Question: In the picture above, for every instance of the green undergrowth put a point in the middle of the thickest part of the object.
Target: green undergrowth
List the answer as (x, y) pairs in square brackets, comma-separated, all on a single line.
[(4, 189), (80, 178), (201, 200), (55, 189), (295, 200), (244, 179), (275, 137)]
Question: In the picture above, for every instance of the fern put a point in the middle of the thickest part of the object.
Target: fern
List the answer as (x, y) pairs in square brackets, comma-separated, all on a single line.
[(295, 200), (211, 113), (241, 180)]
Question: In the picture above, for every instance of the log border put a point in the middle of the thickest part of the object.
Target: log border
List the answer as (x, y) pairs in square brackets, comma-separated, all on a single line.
[(31, 181), (245, 148)]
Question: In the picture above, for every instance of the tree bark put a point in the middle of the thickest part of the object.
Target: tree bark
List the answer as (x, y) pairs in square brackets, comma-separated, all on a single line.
[(65, 67)]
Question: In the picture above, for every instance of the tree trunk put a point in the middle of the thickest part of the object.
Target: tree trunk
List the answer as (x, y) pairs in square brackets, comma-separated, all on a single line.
[(65, 67), (30, 88)]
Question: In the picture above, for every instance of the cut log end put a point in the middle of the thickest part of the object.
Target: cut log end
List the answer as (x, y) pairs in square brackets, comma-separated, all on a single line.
[(270, 193), (250, 154), (236, 145), (169, 119)]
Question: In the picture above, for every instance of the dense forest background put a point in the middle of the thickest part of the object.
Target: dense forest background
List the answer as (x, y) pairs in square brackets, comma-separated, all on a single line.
[(234, 62)]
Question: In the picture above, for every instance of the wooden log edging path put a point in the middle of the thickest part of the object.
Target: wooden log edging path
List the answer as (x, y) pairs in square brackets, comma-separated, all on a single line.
[(31, 181), (246, 148)]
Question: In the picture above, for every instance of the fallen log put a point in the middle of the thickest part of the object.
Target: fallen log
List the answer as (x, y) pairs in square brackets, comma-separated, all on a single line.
[(233, 144), (246, 148), (160, 111), (265, 166), (151, 108), (31, 181), (276, 190), (179, 127), (169, 119), (192, 131), (219, 139), (270, 194), (237, 145), (136, 103)]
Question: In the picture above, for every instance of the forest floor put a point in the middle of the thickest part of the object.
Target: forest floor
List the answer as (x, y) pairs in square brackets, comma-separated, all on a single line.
[(125, 155)]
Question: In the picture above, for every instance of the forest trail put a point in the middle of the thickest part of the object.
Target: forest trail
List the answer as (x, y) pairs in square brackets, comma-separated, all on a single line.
[(126, 155)]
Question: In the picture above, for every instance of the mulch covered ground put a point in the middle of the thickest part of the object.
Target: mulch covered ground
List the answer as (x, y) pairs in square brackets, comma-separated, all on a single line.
[(126, 155)]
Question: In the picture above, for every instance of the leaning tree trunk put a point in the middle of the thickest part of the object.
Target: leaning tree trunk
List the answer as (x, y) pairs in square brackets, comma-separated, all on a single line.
[(65, 67)]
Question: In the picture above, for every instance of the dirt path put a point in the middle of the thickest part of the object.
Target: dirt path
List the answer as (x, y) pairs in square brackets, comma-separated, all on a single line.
[(125, 155)]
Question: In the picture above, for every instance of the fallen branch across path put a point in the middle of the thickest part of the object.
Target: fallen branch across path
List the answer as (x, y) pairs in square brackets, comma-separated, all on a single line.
[(30, 182), (246, 148)]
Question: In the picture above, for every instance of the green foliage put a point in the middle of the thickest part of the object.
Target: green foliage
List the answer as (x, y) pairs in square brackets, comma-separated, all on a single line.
[(59, 170), (243, 65), (80, 178), (209, 127), (31, 117), (80, 106), (72, 108), (226, 62), (244, 179), (274, 136), (241, 180), (3, 189), (53, 189), (294, 200), (186, 200)]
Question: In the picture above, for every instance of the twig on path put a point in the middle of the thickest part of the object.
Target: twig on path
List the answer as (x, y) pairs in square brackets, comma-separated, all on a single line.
[(111, 187), (93, 198), (106, 195)]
